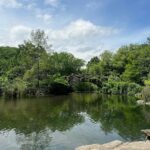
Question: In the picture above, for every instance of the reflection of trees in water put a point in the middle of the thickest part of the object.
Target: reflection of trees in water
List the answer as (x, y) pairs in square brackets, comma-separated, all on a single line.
[(33, 116), (123, 117), (114, 113), (35, 141), (146, 111)]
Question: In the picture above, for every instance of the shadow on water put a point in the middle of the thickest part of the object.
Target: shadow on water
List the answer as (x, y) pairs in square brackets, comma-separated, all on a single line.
[(64, 122)]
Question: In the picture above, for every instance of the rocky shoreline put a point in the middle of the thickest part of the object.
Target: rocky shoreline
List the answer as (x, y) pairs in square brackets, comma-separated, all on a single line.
[(118, 145)]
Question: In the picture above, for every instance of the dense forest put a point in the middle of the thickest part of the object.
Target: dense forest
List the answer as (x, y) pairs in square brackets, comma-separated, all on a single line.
[(33, 68)]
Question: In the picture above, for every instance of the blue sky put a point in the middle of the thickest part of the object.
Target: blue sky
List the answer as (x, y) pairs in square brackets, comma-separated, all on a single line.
[(82, 27)]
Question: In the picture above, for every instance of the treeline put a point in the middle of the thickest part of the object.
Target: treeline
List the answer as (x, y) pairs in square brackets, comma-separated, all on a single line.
[(34, 69), (123, 72)]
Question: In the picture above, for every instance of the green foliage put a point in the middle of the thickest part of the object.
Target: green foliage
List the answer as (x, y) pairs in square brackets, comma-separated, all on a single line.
[(101, 66), (14, 89), (137, 64), (94, 60), (146, 90), (121, 59), (8, 59), (64, 63), (61, 80), (147, 82), (85, 87), (123, 72), (32, 66), (60, 86), (134, 88), (121, 87)]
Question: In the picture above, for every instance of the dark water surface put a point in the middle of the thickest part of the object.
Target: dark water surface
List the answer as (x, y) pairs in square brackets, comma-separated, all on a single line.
[(65, 122)]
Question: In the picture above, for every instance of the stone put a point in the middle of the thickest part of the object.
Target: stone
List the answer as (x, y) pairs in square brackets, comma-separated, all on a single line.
[(89, 147), (118, 145), (141, 102), (141, 145), (146, 131), (147, 103), (112, 144)]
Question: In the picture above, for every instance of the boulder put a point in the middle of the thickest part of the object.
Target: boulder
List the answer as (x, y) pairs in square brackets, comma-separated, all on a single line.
[(118, 145), (141, 102)]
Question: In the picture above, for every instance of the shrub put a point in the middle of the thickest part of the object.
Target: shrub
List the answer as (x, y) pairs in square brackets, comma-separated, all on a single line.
[(85, 87), (14, 89), (147, 82), (134, 88), (106, 88), (120, 88), (61, 80)]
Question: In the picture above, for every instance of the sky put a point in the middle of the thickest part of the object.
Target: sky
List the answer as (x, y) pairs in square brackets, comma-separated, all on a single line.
[(84, 28)]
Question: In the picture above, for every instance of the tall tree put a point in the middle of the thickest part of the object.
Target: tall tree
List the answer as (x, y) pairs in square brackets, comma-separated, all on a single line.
[(40, 40)]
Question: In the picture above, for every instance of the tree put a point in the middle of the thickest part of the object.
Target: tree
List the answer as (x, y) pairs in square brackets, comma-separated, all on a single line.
[(138, 63), (39, 39), (106, 62), (94, 60), (8, 59), (120, 59), (64, 63)]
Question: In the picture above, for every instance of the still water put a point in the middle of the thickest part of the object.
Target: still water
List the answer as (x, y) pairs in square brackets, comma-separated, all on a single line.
[(65, 122)]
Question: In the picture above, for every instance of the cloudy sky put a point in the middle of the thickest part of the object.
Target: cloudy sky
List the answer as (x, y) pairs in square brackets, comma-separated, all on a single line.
[(82, 27)]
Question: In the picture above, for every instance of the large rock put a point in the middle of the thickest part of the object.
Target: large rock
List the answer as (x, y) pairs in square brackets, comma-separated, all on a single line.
[(146, 131), (118, 145), (147, 103), (142, 102)]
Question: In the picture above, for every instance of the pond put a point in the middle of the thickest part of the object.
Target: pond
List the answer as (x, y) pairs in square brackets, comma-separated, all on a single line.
[(66, 122)]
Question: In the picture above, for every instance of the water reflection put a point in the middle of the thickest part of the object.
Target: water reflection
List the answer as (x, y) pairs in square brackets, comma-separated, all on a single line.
[(65, 122)]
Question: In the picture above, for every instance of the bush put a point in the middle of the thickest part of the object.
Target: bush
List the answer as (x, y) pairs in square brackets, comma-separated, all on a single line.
[(106, 88), (61, 80), (134, 88), (85, 87), (96, 81), (147, 82), (14, 89), (121, 88)]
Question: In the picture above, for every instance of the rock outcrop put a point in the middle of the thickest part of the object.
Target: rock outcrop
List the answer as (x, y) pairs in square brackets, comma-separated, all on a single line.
[(118, 145)]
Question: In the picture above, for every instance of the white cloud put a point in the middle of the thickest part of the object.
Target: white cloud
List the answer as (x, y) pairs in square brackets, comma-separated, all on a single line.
[(45, 17), (19, 33), (82, 29), (81, 37), (53, 3), (10, 3)]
